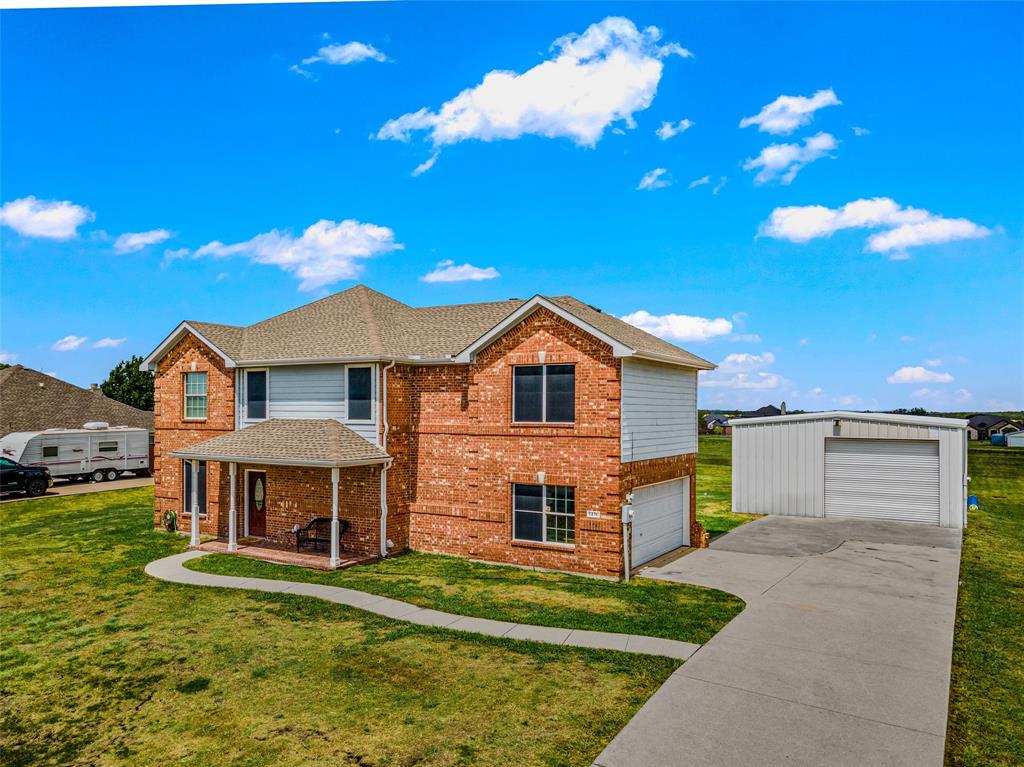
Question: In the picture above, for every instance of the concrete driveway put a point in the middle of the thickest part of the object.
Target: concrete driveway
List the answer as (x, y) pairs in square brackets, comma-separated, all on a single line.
[(841, 657)]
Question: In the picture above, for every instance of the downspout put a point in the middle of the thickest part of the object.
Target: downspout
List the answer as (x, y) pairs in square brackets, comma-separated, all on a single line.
[(627, 517), (384, 468)]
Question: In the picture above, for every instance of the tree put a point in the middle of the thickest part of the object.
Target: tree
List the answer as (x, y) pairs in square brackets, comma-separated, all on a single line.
[(130, 384)]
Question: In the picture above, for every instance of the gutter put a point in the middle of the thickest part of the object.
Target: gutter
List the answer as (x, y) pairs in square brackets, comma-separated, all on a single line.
[(384, 542)]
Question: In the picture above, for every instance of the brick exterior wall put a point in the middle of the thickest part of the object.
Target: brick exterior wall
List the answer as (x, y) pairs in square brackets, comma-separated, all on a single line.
[(456, 456), (173, 432)]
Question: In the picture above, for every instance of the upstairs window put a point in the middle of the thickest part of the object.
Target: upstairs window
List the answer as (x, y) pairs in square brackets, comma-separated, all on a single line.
[(256, 395), (195, 395), (360, 394), (544, 513), (544, 394)]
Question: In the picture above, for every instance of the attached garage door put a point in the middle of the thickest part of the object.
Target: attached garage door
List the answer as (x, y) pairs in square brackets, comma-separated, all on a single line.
[(660, 514), (882, 479)]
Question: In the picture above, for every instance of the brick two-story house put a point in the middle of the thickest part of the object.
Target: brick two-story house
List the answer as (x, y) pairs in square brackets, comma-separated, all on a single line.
[(512, 431)]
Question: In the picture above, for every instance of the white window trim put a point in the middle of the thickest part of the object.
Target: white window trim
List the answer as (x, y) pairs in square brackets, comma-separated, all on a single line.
[(185, 395), (188, 498), (544, 393), (544, 514), (373, 395), (243, 406)]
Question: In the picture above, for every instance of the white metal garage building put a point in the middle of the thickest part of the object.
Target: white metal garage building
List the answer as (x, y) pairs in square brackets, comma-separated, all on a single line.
[(853, 465)]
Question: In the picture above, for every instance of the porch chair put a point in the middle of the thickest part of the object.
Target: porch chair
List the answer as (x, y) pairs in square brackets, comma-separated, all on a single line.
[(318, 532)]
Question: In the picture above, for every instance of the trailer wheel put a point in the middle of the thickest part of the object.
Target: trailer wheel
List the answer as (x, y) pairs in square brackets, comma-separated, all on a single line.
[(35, 486), (97, 476), (111, 475)]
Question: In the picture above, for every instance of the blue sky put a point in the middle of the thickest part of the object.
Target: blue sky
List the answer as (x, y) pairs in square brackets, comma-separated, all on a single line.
[(202, 131)]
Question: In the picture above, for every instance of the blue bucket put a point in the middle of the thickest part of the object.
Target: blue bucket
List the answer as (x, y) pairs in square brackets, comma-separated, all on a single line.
[(972, 503)]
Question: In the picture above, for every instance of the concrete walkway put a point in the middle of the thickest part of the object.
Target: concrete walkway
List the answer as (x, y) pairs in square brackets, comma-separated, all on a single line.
[(842, 656), (172, 569)]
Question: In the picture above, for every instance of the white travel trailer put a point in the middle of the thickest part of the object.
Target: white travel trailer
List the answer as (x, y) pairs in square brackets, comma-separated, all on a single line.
[(97, 450)]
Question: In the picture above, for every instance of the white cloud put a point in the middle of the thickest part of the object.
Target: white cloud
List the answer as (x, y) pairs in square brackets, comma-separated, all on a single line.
[(743, 362), (904, 227), (748, 338), (933, 363), (108, 343), (326, 252), (963, 395), (592, 82), (346, 53), (858, 131), (679, 327), (804, 341), (49, 219), (787, 113), (301, 72), (785, 161), (134, 241), (654, 179), (759, 380), (447, 271), (699, 182), (817, 391), (907, 339), (668, 129), (426, 165), (7, 358), (925, 393), (69, 343), (847, 400), (719, 186), (918, 375), (50, 373)]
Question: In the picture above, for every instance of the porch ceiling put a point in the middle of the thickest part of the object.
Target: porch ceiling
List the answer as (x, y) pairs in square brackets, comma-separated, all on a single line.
[(289, 442)]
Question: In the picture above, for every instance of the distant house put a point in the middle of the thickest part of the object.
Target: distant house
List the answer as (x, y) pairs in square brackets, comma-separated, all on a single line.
[(984, 425), (763, 412), (34, 401), (716, 424)]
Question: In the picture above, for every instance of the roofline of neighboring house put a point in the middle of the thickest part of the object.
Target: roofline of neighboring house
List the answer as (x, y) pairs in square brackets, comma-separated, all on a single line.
[(918, 420), (249, 459)]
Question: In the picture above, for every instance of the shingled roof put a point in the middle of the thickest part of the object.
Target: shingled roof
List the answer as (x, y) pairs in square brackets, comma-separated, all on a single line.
[(362, 323), (34, 401), (291, 442)]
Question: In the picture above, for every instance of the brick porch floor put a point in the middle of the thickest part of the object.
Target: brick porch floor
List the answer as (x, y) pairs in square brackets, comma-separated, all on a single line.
[(317, 560)]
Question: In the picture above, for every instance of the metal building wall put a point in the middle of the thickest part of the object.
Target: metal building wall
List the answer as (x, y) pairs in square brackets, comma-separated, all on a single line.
[(778, 467)]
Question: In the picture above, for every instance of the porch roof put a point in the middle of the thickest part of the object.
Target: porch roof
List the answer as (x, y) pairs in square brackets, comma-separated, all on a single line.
[(289, 442)]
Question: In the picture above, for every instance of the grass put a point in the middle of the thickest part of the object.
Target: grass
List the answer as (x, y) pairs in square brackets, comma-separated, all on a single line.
[(986, 713), (101, 664), (452, 584), (714, 485)]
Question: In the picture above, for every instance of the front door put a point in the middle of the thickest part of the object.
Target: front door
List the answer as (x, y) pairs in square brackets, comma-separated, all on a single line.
[(257, 499)]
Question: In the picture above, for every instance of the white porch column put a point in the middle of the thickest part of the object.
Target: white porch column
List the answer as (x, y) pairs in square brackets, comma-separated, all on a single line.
[(232, 521), (335, 525), (195, 503)]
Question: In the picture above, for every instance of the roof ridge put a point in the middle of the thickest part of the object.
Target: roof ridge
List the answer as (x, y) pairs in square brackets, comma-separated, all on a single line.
[(372, 328)]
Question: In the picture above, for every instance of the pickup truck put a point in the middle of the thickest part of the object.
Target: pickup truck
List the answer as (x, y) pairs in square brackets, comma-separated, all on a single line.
[(31, 480)]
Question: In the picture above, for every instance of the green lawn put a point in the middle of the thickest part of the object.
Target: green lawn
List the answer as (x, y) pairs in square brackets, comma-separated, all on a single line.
[(714, 485), (452, 584), (986, 714), (101, 664)]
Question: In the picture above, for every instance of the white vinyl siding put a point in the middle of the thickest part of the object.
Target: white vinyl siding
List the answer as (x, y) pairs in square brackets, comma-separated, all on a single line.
[(659, 410), (778, 466), (313, 391), (882, 479)]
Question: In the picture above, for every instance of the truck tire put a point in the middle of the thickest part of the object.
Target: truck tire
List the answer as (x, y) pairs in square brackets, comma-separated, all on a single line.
[(111, 475), (35, 487), (97, 476)]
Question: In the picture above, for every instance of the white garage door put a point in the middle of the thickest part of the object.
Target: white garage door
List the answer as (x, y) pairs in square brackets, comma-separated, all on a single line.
[(882, 479), (660, 515)]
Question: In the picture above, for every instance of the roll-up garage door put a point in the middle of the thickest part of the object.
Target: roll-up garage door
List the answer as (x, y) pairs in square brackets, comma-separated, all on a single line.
[(660, 519), (882, 479)]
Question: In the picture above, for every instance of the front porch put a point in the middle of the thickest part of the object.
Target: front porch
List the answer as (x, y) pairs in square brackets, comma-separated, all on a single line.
[(269, 551), (284, 474)]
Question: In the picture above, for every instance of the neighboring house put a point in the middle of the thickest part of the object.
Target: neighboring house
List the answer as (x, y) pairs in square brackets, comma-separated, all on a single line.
[(763, 412), (34, 401), (983, 426), (511, 431), (717, 424)]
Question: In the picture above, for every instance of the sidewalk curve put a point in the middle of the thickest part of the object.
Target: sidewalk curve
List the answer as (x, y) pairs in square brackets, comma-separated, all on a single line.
[(172, 569)]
